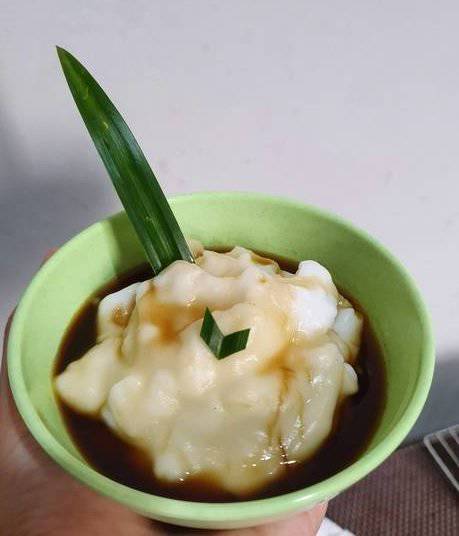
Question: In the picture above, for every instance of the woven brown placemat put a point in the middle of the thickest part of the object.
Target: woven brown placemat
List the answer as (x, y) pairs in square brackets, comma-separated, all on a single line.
[(406, 496)]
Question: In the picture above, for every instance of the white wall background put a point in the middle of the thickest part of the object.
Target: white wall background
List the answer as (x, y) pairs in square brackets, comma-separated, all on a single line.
[(352, 106)]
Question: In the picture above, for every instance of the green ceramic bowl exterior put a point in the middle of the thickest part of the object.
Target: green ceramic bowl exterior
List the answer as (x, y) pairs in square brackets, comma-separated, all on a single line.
[(359, 265)]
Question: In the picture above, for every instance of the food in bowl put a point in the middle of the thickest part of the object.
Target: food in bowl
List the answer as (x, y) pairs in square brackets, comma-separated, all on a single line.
[(361, 436), (151, 406), (225, 372)]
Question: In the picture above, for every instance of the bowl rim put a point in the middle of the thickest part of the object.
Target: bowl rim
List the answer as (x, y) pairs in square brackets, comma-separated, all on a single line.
[(245, 511)]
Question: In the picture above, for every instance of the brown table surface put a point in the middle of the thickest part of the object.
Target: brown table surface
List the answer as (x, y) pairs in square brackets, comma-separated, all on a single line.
[(407, 495)]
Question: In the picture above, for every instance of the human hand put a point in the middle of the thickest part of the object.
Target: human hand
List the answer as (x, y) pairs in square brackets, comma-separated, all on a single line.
[(38, 498)]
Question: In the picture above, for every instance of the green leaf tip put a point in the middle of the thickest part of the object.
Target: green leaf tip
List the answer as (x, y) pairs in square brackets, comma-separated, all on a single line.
[(131, 175), (222, 345)]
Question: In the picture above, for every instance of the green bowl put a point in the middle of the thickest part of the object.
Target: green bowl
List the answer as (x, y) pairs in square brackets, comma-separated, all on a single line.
[(359, 265)]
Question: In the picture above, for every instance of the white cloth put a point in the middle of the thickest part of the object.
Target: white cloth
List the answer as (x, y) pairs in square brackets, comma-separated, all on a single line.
[(328, 528)]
